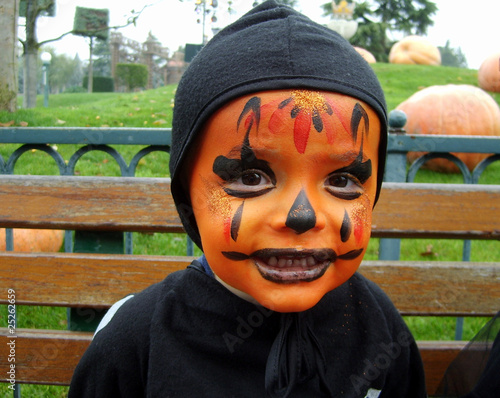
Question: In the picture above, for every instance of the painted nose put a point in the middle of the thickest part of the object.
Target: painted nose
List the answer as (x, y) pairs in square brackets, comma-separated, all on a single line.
[(301, 216)]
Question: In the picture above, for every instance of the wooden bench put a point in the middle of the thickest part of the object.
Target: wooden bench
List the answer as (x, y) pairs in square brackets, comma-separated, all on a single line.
[(145, 205)]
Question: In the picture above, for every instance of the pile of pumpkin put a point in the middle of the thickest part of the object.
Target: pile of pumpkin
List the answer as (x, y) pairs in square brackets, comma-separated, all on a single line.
[(34, 240), (449, 109)]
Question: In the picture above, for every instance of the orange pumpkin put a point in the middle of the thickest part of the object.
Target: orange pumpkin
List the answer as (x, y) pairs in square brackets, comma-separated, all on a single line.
[(451, 110), (414, 50), (34, 240), (367, 55), (488, 75)]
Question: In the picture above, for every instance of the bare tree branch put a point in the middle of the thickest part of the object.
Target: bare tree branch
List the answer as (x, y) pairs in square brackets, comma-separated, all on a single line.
[(131, 20)]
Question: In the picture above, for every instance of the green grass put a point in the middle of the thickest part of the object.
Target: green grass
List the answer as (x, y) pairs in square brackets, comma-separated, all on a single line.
[(401, 81), (153, 108)]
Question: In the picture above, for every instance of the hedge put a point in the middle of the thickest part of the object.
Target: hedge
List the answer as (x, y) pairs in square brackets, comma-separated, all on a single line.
[(132, 75), (101, 84)]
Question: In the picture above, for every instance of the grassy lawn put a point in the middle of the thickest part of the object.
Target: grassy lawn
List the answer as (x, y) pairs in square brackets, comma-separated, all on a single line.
[(153, 108)]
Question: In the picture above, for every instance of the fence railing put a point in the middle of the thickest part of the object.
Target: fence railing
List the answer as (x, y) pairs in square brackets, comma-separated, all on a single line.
[(149, 140)]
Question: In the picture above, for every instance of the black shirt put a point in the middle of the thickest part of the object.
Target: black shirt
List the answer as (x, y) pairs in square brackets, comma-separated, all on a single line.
[(188, 336)]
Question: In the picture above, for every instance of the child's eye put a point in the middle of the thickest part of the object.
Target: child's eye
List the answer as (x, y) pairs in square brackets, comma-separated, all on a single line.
[(250, 183), (343, 186), (251, 178)]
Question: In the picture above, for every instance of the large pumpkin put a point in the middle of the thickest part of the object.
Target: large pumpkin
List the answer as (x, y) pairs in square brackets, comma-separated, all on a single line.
[(415, 50), (367, 55), (452, 110), (488, 74), (34, 240)]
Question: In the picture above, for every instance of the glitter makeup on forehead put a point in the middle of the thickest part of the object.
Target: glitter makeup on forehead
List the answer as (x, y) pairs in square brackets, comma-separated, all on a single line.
[(308, 109)]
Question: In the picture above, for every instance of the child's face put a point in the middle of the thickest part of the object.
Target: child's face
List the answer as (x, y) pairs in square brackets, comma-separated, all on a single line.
[(282, 186)]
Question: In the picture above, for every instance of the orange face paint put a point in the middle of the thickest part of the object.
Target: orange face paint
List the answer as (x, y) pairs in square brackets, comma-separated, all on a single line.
[(290, 178)]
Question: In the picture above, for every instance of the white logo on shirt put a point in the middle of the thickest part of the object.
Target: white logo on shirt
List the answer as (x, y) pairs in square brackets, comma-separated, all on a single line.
[(372, 393)]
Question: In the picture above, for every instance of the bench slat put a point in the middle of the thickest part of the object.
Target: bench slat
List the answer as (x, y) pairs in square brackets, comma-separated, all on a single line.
[(145, 204), (437, 210), (437, 356), (438, 288), (50, 356), (44, 356), (416, 288), (80, 280), (97, 203)]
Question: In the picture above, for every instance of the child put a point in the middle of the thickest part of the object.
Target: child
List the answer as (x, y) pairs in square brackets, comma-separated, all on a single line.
[(277, 158)]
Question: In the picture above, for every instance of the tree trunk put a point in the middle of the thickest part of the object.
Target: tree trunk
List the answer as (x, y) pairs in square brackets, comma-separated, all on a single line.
[(30, 78), (30, 55), (9, 10), (90, 84)]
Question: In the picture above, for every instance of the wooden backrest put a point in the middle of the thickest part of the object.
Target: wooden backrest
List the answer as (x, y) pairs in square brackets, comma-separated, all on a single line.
[(145, 204)]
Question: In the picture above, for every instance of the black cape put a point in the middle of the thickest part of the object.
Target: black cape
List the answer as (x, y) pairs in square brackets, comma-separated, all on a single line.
[(188, 336), (476, 370)]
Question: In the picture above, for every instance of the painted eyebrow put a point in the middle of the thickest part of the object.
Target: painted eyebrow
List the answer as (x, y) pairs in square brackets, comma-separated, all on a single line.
[(361, 170), (229, 169), (358, 113)]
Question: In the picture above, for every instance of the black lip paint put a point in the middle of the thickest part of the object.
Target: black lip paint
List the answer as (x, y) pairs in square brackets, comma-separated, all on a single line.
[(318, 254)]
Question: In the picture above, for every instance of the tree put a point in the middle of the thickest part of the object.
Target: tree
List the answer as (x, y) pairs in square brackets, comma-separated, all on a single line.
[(64, 72), (91, 23), (32, 9), (452, 56), (376, 18), (8, 59), (102, 61)]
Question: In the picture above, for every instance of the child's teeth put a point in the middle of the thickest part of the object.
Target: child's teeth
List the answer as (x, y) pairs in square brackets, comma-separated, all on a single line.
[(282, 262)]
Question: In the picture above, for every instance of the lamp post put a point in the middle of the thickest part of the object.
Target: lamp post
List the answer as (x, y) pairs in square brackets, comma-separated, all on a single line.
[(46, 58), (201, 8), (342, 21)]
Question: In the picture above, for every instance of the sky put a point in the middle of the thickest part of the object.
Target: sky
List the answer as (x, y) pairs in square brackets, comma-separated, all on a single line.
[(470, 25)]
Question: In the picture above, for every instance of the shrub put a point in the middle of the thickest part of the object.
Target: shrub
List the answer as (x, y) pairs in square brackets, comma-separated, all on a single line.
[(101, 84), (132, 75), (75, 89)]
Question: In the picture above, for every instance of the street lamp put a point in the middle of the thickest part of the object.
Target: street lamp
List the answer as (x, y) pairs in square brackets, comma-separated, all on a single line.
[(46, 58), (201, 8)]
